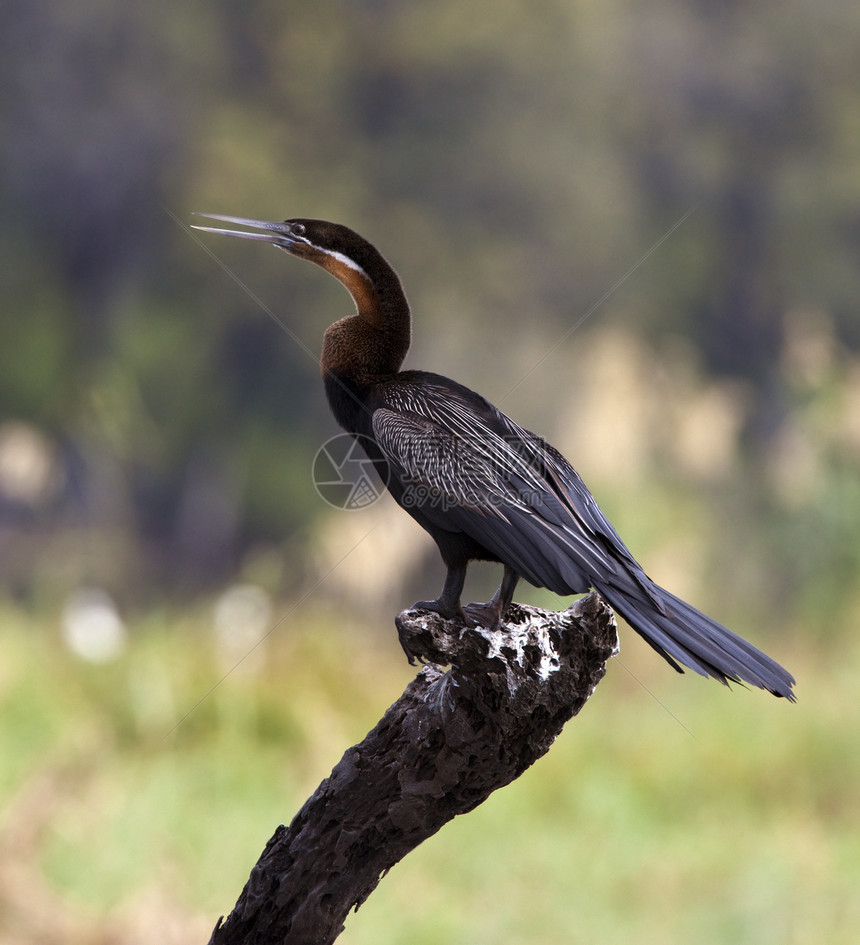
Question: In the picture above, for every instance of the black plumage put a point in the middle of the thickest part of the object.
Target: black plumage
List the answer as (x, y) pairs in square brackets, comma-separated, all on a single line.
[(482, 486)]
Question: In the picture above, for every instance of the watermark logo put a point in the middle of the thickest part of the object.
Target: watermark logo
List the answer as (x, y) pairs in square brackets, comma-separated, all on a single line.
[(446, 474), (343, 475)]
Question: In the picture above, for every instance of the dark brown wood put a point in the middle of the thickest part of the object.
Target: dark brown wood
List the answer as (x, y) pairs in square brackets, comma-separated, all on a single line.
[(448, 742)]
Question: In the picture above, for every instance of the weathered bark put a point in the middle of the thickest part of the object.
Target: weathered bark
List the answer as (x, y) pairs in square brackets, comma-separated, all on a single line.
[(448, 742)]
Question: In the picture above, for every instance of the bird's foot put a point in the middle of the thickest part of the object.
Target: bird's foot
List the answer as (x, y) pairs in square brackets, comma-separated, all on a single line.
[(443, 608), (487, 615)]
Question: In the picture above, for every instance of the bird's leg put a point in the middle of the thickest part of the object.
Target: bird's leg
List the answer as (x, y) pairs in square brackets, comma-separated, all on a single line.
[(490, 615), (448, 602)]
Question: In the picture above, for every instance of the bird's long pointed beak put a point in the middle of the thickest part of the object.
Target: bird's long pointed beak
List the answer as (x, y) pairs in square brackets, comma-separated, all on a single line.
[(278, 234)]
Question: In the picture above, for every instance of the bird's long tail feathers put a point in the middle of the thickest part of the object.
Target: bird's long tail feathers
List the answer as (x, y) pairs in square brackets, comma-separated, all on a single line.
[(682, 634)]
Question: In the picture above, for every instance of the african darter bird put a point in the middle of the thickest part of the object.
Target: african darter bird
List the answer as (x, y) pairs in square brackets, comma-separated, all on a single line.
[(482, 486)]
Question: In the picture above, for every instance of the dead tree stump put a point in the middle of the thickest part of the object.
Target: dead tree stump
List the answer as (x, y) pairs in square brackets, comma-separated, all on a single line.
[(448, 742)]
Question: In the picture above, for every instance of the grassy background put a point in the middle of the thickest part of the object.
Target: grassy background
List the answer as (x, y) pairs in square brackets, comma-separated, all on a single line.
[(690, 814)]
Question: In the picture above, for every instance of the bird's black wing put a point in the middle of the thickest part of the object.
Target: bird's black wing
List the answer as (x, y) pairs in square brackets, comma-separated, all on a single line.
[(468, 469)]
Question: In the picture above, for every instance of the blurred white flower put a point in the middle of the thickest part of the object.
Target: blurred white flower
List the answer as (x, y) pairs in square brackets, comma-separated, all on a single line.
[(92, 627), (28, 464), (241, 620)]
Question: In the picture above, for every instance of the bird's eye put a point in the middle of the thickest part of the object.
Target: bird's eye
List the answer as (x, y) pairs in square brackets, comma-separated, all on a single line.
[(298, 229)]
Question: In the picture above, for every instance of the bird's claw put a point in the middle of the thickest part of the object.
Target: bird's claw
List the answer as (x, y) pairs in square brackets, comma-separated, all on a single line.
[(447, 611)]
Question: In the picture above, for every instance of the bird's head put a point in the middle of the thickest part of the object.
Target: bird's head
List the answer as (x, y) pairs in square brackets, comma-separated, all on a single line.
[(369, 279), (330, 245)]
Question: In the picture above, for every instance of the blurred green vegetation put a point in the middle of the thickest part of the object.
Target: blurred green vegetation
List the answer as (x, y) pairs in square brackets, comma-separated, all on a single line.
[(527, 170), (700, 813)]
